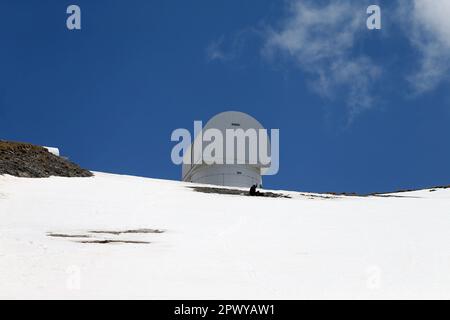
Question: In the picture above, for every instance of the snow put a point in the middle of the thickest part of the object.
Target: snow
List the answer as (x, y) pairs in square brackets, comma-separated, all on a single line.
[(218, 246)]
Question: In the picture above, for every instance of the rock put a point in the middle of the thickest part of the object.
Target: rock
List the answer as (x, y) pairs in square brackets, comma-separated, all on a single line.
[(30, 161)]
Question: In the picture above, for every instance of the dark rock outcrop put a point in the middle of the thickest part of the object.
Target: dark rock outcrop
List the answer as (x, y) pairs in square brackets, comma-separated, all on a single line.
[(30, 161), (237, 192)]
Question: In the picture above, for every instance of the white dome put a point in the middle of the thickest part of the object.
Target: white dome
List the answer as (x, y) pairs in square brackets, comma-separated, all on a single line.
[(237, 170)]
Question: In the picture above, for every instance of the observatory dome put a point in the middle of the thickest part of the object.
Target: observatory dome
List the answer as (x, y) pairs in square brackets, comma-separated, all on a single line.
[(236, 169)]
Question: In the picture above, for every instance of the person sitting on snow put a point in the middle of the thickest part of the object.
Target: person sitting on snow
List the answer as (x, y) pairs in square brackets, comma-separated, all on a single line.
[(253, 191)]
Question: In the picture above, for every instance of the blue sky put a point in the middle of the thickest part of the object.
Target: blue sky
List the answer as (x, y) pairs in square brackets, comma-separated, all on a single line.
[(358, 110)]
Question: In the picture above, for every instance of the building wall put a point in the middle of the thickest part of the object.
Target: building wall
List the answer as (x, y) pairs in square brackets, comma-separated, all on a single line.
[(227, 175)]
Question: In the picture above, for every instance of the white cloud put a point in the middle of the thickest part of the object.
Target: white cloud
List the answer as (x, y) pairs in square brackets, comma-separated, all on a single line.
[(215, 51), (222, 50), (428, 28), (321, 40)]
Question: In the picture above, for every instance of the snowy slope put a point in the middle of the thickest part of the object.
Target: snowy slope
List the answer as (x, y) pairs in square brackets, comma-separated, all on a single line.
[(217, 246)]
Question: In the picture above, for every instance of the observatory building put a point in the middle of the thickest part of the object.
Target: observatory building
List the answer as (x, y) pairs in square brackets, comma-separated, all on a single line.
[(236, 169)]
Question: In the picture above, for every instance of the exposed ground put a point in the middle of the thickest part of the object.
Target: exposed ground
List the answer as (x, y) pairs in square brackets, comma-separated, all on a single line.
[(30, 161), (118, 232), (108, 241), (98, 236), (238, 192)]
